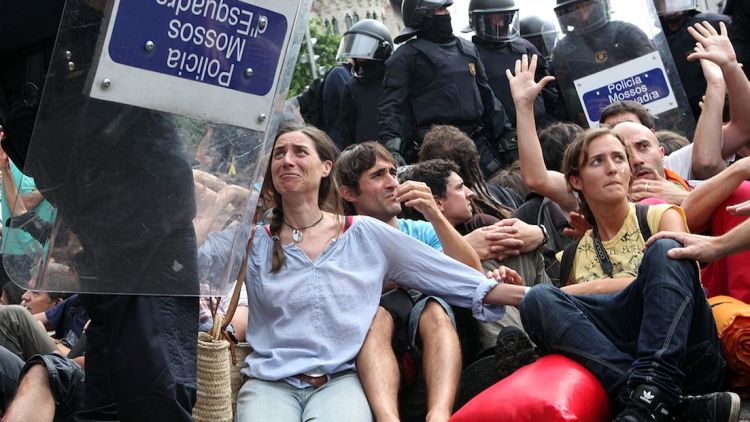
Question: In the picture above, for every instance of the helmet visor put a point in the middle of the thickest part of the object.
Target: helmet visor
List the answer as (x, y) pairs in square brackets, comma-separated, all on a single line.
[(668, 7), (582, 15), (496, 26), (357, 46)]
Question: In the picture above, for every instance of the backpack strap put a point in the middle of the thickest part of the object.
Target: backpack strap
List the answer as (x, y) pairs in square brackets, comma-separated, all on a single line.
[(569, 252), (566, 262), (641, 212)]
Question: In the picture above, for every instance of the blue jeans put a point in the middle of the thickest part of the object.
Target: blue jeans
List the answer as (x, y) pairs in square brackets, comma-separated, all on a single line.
[(658, 331), (339, 400)]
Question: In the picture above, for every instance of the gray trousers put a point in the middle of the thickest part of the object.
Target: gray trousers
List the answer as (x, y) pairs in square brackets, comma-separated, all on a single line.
[(21, 334)]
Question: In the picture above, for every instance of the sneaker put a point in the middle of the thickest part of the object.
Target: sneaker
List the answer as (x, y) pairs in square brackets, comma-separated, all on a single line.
[(644, 404), (714, 407), (513, 350)]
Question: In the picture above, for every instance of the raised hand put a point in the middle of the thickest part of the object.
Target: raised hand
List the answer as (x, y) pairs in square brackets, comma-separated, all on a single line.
[(522, 86), (716, 46)]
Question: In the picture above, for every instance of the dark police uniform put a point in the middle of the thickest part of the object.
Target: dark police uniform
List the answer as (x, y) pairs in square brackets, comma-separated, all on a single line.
[(121, 180), (739, 33), (582, 53), (359, 107), (443, 84), (681, 44), (497, 57)]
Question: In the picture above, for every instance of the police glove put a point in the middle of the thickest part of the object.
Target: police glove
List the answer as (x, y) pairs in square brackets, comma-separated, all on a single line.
[(393, 146)]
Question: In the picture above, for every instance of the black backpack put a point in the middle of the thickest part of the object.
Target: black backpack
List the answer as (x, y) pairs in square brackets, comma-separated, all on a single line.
[(552, 217), (569, 252)]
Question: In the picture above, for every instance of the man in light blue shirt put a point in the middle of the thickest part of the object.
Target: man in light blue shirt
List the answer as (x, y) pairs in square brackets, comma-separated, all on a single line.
[(366, 175), (19, 195)]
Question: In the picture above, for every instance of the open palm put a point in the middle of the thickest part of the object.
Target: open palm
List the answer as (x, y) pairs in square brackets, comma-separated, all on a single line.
[(522, 86)]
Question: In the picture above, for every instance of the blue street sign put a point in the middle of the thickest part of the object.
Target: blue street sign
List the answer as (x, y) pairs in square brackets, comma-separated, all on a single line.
[(643, 88), (226, 43)]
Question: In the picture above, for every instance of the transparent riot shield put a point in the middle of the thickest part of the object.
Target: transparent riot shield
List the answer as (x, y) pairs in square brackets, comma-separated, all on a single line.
[(150, 145), (615, 50)]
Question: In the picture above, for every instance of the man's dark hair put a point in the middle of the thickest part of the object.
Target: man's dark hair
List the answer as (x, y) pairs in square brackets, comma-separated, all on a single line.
[(510, 177), (433, 173), (354, 161), (646, 118), (448, 142), (671, 141), (13, 293), (554, 140)]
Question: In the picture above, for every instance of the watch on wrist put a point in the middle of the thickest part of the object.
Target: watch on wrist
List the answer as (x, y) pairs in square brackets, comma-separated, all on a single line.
[(544, 233)]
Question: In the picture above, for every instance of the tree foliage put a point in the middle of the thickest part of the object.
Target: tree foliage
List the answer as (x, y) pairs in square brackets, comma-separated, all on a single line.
[(325, 48)]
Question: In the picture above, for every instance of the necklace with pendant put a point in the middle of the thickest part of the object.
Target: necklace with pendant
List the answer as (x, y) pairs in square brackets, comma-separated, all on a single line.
[(297, 235)]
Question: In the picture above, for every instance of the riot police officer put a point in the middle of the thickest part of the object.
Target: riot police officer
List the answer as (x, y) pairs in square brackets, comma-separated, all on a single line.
[(676, 17), (592, 43), (496, 37), (437, 78), (535, 30), (141, 350), (367, 45)]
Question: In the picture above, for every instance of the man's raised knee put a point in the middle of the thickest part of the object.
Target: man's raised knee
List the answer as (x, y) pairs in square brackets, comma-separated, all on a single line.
[(382, 324), (434, 316)]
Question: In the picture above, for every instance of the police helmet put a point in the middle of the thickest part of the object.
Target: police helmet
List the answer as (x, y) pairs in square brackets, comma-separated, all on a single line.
[(538, 31), (494, 20), (417, 14), (367, 39), (582, 15), (669, 7)]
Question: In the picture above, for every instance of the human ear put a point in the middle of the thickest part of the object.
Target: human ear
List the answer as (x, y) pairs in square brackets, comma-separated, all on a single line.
[(348, 194), (576, 182), (327, 166)]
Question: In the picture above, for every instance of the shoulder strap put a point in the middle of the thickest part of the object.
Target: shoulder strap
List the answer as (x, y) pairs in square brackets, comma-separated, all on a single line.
[(467, 48), (641, 212), (566, 262), (348, 220)]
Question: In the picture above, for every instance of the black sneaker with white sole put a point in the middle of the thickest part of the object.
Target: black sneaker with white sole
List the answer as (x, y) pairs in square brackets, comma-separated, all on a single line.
[(513, 350), (645, 404), (714, 407)]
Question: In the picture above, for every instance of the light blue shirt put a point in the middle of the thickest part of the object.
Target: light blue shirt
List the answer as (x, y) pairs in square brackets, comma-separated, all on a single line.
[(17, 241), (312, 317), (420, 230)]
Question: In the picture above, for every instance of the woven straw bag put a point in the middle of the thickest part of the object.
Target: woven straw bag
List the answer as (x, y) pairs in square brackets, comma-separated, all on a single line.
[(219, 378), (214, 388)]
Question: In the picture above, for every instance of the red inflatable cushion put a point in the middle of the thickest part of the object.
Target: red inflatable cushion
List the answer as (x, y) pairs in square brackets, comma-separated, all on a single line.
[(552, 389)]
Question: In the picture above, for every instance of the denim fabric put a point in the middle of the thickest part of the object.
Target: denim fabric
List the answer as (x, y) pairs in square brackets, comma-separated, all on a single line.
[(658, 331), (10, 369), (339, 400), (65, 381), (416, 313)]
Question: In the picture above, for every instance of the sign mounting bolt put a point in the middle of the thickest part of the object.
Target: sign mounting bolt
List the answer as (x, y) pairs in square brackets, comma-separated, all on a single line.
[(261, 117), (149, 47), (106, 83), (249, 72)]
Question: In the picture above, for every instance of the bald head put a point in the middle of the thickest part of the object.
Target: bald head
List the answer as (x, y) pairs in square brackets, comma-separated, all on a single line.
[(648, 155)]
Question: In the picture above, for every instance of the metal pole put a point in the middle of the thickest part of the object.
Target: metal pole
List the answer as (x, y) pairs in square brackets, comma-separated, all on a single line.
[(310, 53)]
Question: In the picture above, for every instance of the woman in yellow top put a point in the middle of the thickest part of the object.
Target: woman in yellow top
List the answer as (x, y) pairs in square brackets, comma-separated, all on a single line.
[(649, 337)]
